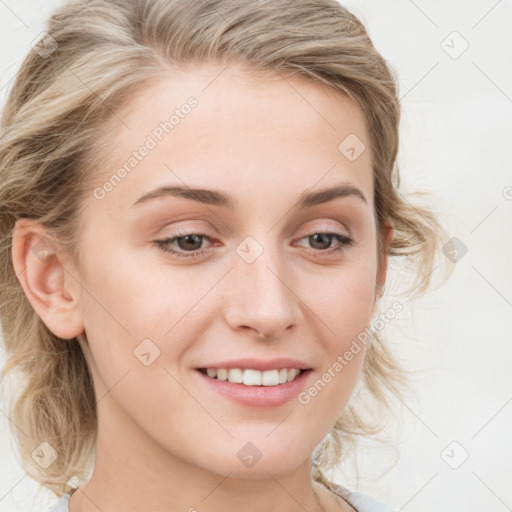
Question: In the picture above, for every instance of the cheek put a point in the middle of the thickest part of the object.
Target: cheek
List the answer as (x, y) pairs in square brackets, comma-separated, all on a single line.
[(343, 309), (126, 318), (136, 314), (119, 311), (354, 308), (344, 300)]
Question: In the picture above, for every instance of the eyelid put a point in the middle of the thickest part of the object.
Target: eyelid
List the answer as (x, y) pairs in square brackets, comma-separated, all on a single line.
[(204, 229), (325, 228), (187, 230)]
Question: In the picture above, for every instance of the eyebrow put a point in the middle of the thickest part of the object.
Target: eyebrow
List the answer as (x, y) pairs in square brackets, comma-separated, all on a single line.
[(219, 198)]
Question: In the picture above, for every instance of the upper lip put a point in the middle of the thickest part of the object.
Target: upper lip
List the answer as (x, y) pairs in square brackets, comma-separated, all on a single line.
[(260, 364)]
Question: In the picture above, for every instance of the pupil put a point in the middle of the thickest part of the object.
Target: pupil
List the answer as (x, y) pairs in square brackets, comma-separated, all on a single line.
[(191, 245), (326, 237)]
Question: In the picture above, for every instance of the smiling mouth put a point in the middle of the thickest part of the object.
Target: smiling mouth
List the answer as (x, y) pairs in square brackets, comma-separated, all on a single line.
[(250, 377)]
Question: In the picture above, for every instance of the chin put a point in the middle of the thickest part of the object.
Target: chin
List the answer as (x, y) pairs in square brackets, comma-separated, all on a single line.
[(250, 462), (262, 470)]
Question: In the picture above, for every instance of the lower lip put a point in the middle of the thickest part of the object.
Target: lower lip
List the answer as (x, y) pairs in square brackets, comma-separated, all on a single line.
[(258, 396)]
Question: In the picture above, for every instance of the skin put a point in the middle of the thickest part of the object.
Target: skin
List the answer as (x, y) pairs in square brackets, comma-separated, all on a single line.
[(166, 441)]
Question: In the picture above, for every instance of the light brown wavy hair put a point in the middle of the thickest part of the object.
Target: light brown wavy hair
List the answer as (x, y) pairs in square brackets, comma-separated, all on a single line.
[(97, 55)]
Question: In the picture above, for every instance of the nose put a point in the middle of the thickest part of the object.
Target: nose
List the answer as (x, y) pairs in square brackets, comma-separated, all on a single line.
[(261, 296)]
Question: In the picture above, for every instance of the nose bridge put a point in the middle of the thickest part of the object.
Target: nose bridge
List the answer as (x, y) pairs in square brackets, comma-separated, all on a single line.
[(261, 295), (263, 271)]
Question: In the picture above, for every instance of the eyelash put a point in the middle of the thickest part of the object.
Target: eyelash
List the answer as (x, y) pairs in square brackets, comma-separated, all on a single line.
[(163, 245)]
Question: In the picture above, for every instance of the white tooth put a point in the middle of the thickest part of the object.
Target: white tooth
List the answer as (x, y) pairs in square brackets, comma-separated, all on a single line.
[(292, 373), (252, 377), (235, 375), (270, 378), (283, 375)]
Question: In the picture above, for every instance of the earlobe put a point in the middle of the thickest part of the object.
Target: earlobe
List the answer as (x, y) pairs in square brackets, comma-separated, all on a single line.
[(42, 275)]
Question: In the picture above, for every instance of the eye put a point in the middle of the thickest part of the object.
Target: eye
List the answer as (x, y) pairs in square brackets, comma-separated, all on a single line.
[(186, 242), (190, 245), (322, 241)]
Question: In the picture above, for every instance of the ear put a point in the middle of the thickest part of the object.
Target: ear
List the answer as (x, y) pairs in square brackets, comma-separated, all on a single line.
[(49, 288), (389, 233)]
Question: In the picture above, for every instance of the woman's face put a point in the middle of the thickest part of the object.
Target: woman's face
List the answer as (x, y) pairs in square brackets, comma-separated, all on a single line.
[(250, 281)]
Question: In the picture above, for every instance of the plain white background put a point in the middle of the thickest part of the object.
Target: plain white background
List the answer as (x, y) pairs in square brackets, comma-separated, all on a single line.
[(455, 141)]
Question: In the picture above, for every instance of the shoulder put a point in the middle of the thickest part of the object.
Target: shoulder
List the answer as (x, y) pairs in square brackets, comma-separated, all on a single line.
[(362, 502), (61, 505)]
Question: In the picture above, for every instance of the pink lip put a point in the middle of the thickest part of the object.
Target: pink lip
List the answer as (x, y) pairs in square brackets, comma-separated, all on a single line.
[(258, 396), (260, 364)]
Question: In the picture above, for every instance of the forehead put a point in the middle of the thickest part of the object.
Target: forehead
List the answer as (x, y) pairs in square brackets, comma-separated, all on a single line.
[(245, 132)]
